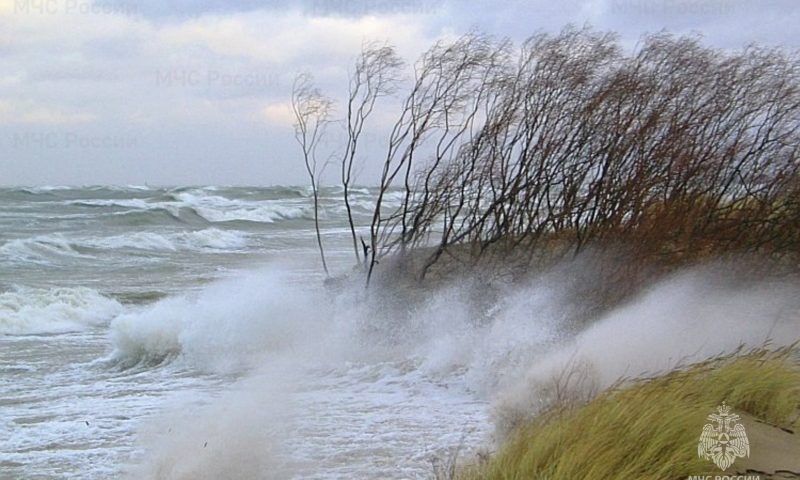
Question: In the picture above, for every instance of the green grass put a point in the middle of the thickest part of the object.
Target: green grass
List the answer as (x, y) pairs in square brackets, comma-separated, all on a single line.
[(650, 429)]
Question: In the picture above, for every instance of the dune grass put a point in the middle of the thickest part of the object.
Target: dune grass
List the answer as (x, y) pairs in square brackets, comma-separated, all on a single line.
[(648, 429)]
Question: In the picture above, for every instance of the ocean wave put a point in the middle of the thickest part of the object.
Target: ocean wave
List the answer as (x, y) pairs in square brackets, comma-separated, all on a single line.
[(226, 327), (53, 188), (44, 189), (45, 249), (210, 207), (154, 216), (505, 350), (203, 205), (523, 337), (207, 239), (238, 323), (41, 249), (135, 240), (125, 188), (213, 238), (136, 203), (27, 311), (215, 208)]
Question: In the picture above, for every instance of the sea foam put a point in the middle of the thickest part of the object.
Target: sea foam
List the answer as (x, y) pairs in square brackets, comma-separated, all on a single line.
[(41, 249), (211, 207), (229, 325), (216, 208), (449, 352), (37, 311), (206, 239)]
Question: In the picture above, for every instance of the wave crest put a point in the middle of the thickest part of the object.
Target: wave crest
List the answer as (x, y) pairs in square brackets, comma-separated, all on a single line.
[(215, 208), (40, 249), (227, 326), (25, 311), (209, 205), (207, 239)]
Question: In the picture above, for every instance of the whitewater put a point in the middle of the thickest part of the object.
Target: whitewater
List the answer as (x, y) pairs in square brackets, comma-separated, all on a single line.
[(188, 333)]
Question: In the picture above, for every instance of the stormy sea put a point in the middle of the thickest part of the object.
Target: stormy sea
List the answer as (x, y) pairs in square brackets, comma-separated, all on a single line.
[(189, 323), (188, 333)]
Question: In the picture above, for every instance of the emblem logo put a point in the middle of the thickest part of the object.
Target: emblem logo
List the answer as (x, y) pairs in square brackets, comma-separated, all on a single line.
[(724, 439)]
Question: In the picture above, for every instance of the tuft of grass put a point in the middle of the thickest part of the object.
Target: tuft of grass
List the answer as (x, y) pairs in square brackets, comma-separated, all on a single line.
[(647, 429)]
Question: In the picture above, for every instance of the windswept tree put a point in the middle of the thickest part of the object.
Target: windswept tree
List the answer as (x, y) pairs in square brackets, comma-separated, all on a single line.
[(312, 112), (674, 151), (451, 81), (375, 75)]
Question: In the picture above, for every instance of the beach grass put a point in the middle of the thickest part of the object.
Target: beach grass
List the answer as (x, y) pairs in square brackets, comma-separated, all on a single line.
[(647, 429)]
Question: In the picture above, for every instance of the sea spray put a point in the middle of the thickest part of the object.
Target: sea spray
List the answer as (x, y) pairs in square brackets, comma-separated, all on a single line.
[(354, 352), (149, 251), (690, 317), (242, 434), (228, 326)]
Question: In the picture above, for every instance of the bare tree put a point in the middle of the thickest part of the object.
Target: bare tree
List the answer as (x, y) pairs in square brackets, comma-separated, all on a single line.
[(312, 113), (439, 101), (375, 75)]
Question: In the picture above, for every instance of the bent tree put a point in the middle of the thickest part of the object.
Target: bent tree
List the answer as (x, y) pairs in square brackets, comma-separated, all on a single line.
[(375, 75)]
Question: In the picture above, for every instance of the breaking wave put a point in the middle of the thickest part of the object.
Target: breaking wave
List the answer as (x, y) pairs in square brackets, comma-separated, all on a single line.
[(215, 208), (123, 203), (132, 205), (40, 249), (522, 335), (211, 208), (226, 327), (504, 355), (44, 249), (25, 311), (207, 239)]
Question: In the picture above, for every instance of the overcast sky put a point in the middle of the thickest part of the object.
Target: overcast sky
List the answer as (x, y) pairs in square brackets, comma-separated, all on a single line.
[(196, 92)]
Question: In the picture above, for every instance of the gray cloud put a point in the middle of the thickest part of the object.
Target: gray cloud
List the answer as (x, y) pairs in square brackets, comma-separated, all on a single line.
[(195, 92), (181, 9)]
